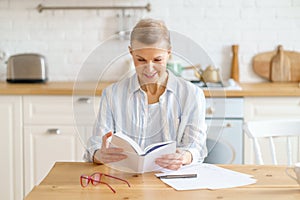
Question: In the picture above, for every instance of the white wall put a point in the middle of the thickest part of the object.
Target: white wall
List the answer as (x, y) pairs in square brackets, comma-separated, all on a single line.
[(67, 37)]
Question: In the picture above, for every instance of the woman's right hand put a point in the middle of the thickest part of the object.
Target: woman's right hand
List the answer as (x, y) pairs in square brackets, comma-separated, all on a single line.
[(108, 154)]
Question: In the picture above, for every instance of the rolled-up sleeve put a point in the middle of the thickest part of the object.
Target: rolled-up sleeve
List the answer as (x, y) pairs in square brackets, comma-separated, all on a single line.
[(103, 125), (193, 138)]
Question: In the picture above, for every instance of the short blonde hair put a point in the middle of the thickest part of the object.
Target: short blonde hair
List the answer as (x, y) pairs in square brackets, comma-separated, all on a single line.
[(150, 32)]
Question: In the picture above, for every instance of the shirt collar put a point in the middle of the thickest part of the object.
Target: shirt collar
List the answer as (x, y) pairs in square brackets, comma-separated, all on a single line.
[(172, 82), (134, 84)]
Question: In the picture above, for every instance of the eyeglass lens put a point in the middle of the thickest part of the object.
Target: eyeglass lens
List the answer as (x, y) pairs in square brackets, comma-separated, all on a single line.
[(96, 178), (84, 181)]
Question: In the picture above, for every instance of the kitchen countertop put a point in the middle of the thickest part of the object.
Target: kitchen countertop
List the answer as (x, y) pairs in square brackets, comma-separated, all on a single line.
[(265, 89)]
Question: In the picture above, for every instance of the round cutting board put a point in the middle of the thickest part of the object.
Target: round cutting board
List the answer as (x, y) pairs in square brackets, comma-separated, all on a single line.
[(261, 64)]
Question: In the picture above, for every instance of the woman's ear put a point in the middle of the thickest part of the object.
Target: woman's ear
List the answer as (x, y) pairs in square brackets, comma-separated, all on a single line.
[(130, 50), (169, 53)]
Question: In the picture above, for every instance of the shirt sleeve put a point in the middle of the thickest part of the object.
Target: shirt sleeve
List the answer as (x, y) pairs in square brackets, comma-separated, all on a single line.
[(103, 125), (192, 123)]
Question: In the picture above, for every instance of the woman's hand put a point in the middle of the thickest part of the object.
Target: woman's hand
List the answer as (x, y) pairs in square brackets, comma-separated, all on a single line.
[(108, 154), (176, 160)]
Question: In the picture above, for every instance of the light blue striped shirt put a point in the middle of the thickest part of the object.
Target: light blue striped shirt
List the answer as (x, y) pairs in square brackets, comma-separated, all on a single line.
[(179, 115)]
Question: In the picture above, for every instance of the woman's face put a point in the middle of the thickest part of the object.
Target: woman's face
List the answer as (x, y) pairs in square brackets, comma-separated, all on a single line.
[(151, 64)]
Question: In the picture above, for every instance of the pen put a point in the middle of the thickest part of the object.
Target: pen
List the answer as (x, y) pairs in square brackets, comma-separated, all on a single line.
[(179, 176)]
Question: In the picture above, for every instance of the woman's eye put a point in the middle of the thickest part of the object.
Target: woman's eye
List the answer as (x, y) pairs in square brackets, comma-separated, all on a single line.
[(141, 60), (157, 60)]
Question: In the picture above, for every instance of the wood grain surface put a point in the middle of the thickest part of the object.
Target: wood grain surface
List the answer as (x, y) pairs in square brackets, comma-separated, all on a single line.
[(280, 70), (235, 63), (261, 64), (265, 89), (62, 182)]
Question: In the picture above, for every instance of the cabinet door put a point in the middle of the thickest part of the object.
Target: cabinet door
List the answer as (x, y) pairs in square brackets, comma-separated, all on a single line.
[(45, 145), (11, 148), (267, 108)]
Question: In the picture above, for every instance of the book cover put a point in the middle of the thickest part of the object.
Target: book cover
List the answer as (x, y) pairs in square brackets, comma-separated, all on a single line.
[(138, 160)]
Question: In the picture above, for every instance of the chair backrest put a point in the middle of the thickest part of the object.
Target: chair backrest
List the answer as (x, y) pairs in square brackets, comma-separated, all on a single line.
[(271, 129)]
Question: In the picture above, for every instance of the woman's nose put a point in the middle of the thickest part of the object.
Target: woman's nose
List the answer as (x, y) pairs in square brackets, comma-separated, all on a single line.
[(149, 66)]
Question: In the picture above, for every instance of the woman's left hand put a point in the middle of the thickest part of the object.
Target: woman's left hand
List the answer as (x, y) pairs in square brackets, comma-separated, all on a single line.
[(176, 160)]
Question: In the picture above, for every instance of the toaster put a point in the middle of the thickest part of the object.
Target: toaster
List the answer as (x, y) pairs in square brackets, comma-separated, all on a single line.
[(26, 68)]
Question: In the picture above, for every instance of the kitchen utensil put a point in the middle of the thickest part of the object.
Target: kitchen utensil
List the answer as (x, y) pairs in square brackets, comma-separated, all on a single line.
[(280, 67), (177, 68), (210, 75), (261, 64), (235, 63), (3, 56), (26, 68)]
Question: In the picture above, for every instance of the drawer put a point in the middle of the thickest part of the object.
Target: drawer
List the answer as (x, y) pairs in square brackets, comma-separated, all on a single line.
[(41, 110), (224, 108), (272, 108)]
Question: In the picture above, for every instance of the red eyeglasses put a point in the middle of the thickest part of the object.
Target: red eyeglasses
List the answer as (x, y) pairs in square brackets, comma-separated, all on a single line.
[(95, 179)]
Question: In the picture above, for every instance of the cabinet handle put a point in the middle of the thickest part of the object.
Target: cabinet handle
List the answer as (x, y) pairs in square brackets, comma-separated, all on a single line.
[(53, 131), (84, 100), (228, 125), (210, 110)]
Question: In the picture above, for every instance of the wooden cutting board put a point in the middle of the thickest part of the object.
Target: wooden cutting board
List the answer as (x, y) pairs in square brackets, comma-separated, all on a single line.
[(261, 64), (280, 67)]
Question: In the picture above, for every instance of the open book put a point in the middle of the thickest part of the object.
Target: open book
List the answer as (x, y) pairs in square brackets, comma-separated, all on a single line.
[(138, 160)]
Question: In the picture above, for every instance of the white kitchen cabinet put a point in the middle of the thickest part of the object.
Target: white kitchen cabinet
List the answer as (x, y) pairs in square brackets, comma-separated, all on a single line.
[(45, 145), (264, 108), (52, 125), (11, 166), (62, 110)]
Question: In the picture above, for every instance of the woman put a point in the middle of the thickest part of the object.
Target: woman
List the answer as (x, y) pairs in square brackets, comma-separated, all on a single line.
[(151, 106)]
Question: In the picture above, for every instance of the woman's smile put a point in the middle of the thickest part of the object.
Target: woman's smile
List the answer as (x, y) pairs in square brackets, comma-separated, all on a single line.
[(150, 76)]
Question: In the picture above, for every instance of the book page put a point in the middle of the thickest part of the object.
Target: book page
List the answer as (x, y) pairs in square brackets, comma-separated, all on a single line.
[(121, 140), (152, 147), (132, 164), (149, 162), (138, 161)]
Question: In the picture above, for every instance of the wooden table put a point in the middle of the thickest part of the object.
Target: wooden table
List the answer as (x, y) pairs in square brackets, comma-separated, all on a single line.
[(62, 182)]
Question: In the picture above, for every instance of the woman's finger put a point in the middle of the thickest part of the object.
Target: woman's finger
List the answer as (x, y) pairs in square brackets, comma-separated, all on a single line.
[(174, 156), (113, 150), (107, 158), (173, 166), (104, 139), (166, 162)]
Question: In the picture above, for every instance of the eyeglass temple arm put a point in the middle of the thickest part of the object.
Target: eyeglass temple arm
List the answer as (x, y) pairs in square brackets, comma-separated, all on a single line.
[(117, 179), (112, 189)]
